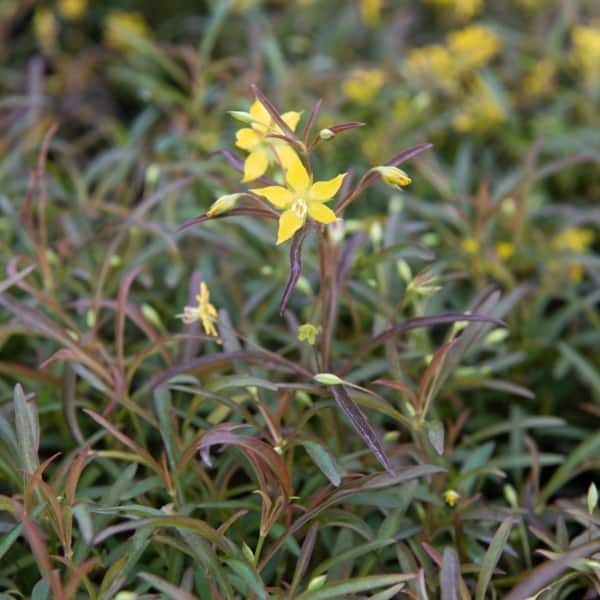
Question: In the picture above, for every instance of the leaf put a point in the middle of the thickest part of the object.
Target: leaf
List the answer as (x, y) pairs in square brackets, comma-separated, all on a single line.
[(585, 369), (353, 586), (435, 434), (324, 461), (303, 561), (234, 212), (167, 588), (10, 281), (27, 430), (351, 555), (541, 576), (492, 556), (275, 115), (450, 575), (361, 425), (295, 267), (249, 576)]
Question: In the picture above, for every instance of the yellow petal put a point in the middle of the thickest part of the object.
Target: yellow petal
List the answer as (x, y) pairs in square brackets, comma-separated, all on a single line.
[(260, 113), (325, 190), (278, 196), (291, 119), (296, 175), (321, 213), (247, 138), (255, 165), (289, 223), (285, 153)]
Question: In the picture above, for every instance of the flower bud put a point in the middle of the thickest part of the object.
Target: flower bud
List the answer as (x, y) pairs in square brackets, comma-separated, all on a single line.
[(393, 176), (222, 205), (326, 134), (328, 379), (240, 115)]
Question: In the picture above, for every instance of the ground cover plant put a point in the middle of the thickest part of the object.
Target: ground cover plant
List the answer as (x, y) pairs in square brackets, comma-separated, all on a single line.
[(299, 300)]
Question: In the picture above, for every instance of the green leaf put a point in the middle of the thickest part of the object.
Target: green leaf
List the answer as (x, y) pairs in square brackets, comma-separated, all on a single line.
[(171, 591), (435, 434), (450, 575), (324, 461), (585, 369), (492, 556), (353, 586), (28, 432)]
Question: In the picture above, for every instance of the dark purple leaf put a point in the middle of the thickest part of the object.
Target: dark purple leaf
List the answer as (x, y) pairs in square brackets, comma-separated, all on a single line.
[(311, 120), (295, 267), (345, 126), (397, 160), (361, 425)]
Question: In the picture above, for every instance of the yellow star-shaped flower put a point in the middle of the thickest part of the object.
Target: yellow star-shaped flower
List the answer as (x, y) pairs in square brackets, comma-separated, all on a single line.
[(263, 150), (301, 198), (205, 312)]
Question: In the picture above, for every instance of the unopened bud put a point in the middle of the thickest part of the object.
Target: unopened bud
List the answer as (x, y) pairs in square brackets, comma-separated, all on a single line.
[(326, 134), (393, 176), (240, 115), (328, 379), (223, 204)]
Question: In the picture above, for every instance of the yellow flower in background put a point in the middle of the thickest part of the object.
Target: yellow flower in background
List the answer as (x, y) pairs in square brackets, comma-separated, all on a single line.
[(370, 12), (301, 198), (308, 333), (505, 250), (470, 245), (480, 110), (121, 26), (45, 28), (262, 150), (362, 85), (451, 497), (72, 9), (575, 240), (204, 312), (585, 52), (432, 64), (473, 47), (461, 9), (539, 81)]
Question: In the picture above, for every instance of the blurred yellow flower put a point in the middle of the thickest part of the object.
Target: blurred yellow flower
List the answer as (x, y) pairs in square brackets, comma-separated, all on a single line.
[(362, 85), (451, 497), (461, 9), (308, 333), (263, 150), (505, 250), (585, 52), (204, 312), (45, 28), (470, 245), (370, 12), (473, 47), (301, 198), (121, 26), (576, 240), (72, 9), (539, 81), (480, 111), (432, 63)]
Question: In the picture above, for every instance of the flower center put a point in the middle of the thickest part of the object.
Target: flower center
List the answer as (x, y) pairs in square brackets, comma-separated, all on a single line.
[(299, 208)]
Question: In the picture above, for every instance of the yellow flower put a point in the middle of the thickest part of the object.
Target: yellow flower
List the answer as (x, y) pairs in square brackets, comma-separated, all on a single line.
[(540, 80), (301, 198), (451, 497), (72, 9), (470, 245), (393, 176), (432, 64), (370, 12), (263, 150), (462, 9), (473, 47), (481, 110), (46, 29), (308, 333), (585, 53), (574, 239), (363, 84), (505, 250), (204, 312), (121, 25)]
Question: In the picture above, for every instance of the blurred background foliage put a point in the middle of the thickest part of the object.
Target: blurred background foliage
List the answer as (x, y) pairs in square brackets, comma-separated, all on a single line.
[(112, 117)]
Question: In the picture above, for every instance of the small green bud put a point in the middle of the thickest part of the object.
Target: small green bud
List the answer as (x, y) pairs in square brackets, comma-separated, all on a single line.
[(592, 497), (328, 379), (240, 115), (326, 134), (307, 333), (223, 204), (247, 552), (316, 583)]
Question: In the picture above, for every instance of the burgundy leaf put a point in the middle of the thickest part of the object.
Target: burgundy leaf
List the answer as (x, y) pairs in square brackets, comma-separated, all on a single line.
[(345, 126), (234, 212), (361, 425), (295, 267), (397, 160), (272, 111), (311, 120)]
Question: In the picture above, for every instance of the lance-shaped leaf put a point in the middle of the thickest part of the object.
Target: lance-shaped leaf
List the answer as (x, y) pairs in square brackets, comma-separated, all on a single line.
[(234, 212), (295, 267), (361, 425), (275, 115)]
